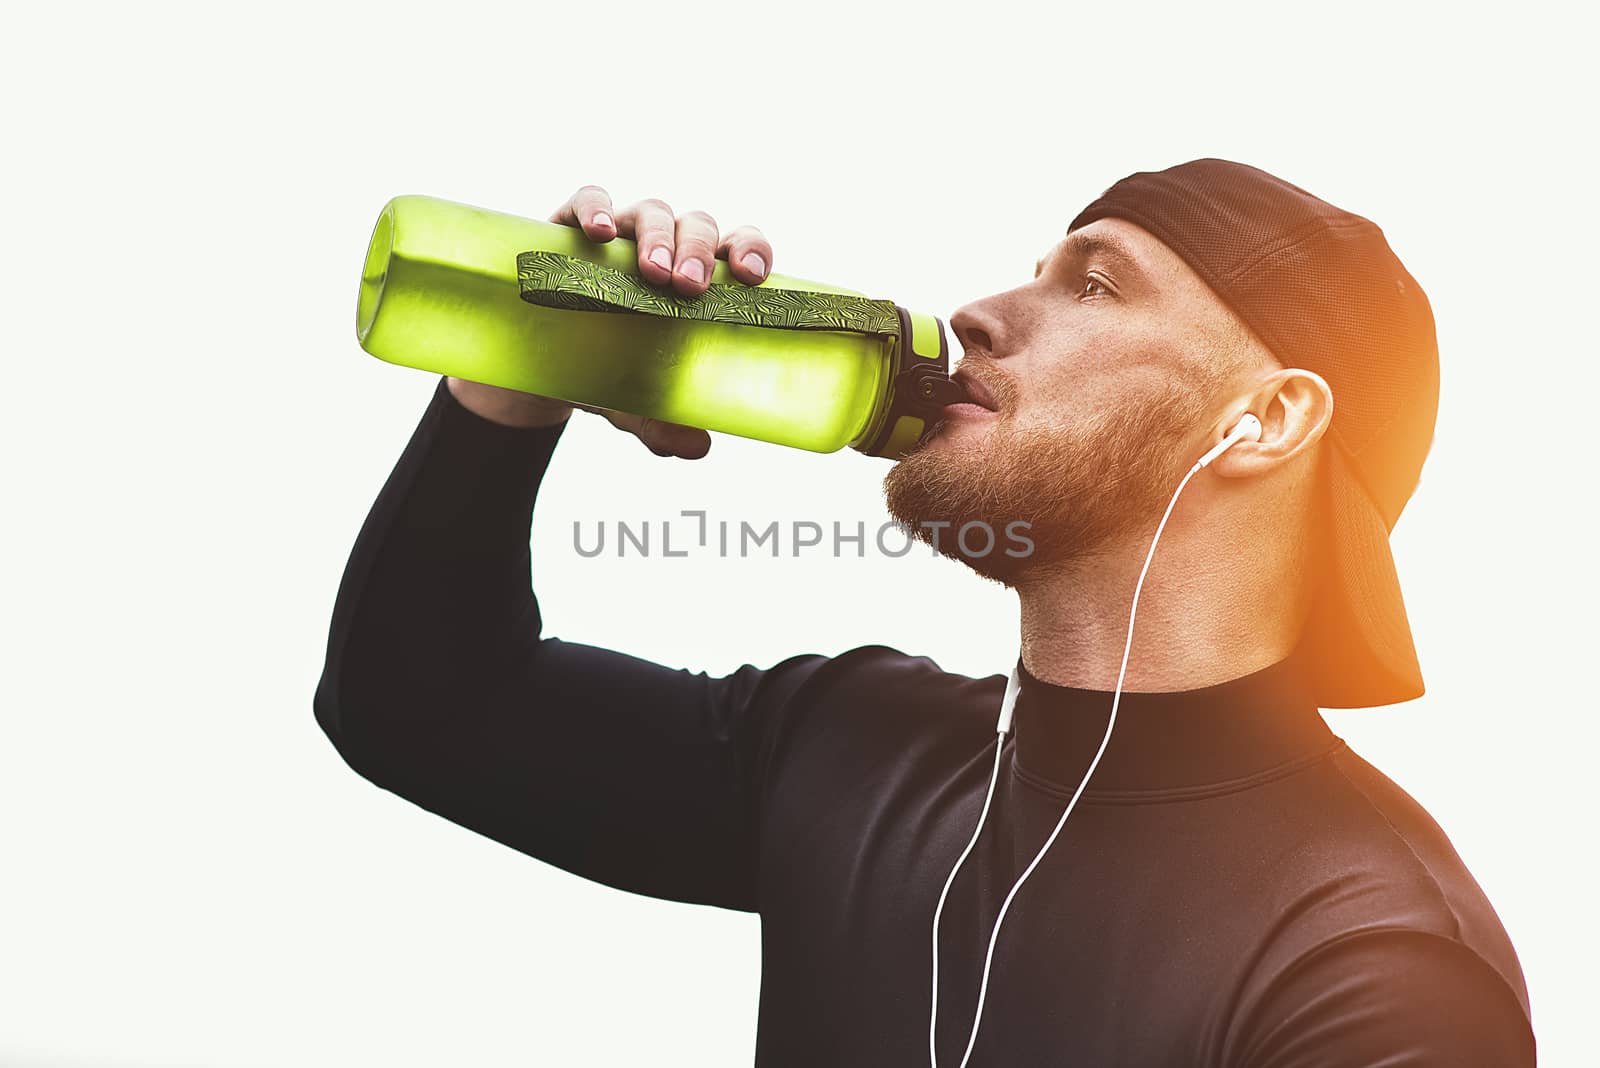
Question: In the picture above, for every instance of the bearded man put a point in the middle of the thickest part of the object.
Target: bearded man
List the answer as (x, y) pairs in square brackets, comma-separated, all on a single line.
[(1234, 886)]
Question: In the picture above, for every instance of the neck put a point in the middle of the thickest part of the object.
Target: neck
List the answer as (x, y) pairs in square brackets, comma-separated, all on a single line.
[(1212, 609)]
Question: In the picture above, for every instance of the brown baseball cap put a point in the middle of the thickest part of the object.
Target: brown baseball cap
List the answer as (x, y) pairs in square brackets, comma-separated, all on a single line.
[(1323, 291)]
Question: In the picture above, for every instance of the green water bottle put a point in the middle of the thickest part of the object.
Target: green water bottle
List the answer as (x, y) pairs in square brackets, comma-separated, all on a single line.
[(538, 307)]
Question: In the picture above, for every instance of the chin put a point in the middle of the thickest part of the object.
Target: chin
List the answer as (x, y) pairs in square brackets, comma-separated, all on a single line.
[(963, 477)]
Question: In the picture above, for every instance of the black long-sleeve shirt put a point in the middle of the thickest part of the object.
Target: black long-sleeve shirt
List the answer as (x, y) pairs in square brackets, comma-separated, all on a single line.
[(1235, 887)]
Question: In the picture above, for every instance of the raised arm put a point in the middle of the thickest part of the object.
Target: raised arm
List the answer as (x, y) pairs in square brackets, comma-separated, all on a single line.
[(440, 685)]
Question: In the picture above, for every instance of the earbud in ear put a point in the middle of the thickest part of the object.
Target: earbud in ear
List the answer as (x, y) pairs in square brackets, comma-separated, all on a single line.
[(1248, 428)]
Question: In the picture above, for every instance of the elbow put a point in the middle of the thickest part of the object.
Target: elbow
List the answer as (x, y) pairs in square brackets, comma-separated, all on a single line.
[(332, 713), (386, 735)]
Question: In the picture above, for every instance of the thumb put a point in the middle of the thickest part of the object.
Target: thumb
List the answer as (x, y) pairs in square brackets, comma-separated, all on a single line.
[(663, 438)]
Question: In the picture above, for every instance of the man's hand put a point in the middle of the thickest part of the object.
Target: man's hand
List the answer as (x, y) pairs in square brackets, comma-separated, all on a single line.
[(675, 253)]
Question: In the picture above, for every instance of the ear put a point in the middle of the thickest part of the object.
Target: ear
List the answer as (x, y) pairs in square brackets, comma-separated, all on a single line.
[(1295, 407)]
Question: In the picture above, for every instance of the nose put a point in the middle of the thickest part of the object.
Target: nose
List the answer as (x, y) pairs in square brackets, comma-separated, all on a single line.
[(975, 327)]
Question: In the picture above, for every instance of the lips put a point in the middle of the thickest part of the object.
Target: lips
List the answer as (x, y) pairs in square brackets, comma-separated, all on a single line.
[(977, 392)]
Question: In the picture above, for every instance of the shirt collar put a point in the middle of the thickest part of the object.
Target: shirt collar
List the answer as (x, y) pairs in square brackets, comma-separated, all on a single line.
[(1204, 739)]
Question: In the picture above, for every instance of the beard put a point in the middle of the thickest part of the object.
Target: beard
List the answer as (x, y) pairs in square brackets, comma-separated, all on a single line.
[(1069, 489)]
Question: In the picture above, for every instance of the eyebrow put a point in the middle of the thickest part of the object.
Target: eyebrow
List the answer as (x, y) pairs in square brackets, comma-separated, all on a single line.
[(1101, 245)]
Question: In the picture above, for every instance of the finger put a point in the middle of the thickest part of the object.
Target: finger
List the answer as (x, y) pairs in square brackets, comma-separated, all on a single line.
[(748, 253), (664, 438), (695, 249), (650, 224), (684, 442), (590, 210)]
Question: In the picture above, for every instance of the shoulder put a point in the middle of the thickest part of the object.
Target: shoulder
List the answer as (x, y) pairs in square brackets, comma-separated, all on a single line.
[(1424, 870), (1343, 848), (1384, 948), (876, 702), (880, 677), (1389, 996)]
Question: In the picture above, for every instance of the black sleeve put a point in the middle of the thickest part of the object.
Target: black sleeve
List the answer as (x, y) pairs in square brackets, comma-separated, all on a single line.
[(439, 686), (1406, 999)]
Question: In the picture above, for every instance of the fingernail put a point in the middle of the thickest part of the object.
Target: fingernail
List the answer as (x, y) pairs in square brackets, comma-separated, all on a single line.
[(603, 219), (755, 264), (661, 258), (694, 270)]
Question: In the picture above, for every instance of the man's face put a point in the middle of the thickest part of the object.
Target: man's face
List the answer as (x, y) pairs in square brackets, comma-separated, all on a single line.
[(1105, 373)]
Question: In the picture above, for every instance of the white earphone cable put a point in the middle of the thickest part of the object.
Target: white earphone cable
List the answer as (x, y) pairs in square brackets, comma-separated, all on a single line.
[(933, 1022), (1005, 722)]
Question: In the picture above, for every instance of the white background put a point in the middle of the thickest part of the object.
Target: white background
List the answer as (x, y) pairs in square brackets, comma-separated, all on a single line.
[(192, 436)]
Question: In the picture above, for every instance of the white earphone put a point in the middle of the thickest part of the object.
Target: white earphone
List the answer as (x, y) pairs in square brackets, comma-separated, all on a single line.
[(1248, 428)]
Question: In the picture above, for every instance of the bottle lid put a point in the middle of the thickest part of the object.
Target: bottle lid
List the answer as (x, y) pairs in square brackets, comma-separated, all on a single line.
[(919, 388)]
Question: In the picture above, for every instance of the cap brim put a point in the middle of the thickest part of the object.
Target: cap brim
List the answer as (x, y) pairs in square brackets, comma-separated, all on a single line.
[(1357, 645)]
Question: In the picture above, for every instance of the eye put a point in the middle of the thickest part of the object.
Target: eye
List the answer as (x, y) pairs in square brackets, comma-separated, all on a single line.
[(1095, 286)]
